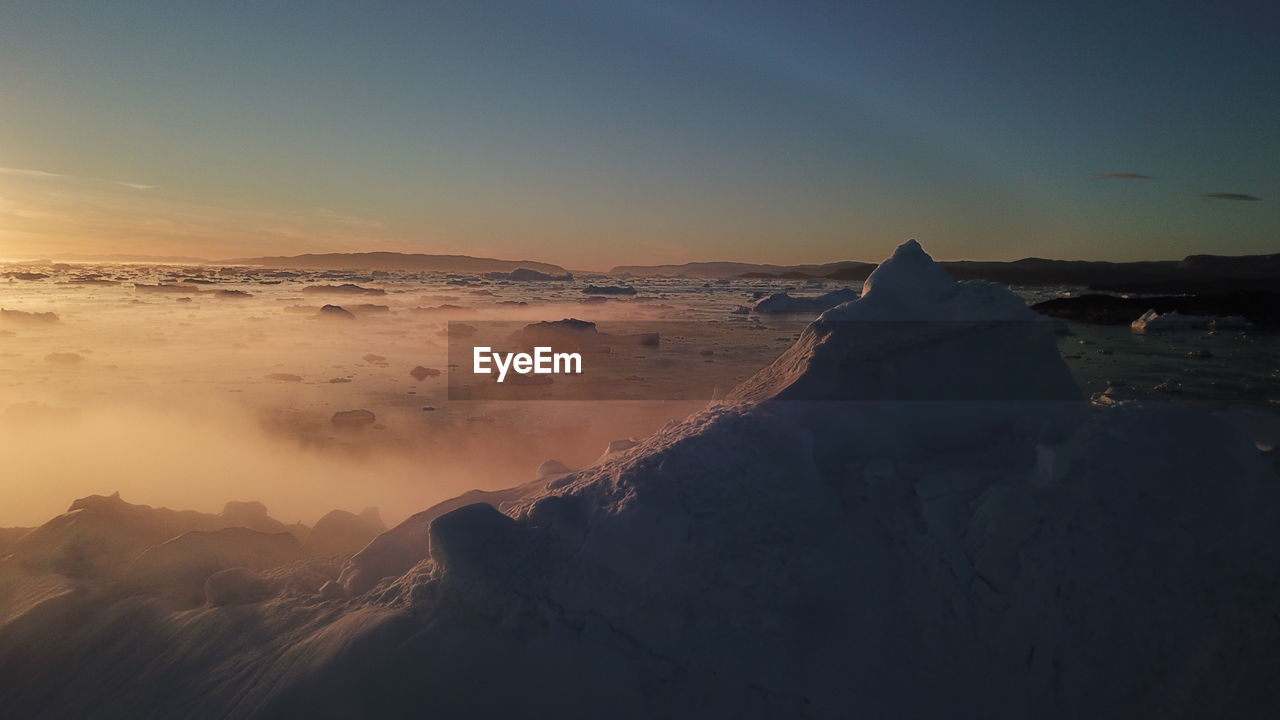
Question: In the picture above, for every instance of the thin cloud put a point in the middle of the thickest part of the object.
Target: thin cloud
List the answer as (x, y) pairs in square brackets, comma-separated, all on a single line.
[(28, 172), (25, 172), (143, 222), (1125, 176), (1240, 197)]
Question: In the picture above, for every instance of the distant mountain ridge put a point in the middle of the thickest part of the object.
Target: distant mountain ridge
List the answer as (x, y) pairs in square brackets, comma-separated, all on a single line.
[(396, 261), (1198, 273), (713, 270), (1191, 274)]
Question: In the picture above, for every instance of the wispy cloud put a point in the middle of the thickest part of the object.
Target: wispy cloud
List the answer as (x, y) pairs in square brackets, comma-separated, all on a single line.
[(1125, 176), (1230, 196), (42, 174), (25, 172), (99, 217)]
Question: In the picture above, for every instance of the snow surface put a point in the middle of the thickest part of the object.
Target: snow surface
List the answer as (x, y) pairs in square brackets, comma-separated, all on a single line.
[(844, 536)]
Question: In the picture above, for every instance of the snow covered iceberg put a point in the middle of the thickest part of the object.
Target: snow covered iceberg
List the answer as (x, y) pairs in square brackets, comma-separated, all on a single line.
[(783, 302), (921, 361), (843, 537)]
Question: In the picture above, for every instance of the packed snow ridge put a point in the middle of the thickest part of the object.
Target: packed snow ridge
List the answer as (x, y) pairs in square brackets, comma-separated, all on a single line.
[(910, 513)]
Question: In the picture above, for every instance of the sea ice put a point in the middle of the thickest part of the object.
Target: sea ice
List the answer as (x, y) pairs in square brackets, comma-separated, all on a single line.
[(913, 496)]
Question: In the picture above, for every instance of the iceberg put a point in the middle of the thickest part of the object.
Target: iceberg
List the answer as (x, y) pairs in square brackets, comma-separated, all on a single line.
[(910, 513), (783, 302), (523, 274)]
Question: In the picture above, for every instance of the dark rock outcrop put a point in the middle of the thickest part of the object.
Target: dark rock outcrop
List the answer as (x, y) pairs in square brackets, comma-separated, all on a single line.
[(1260, 308)]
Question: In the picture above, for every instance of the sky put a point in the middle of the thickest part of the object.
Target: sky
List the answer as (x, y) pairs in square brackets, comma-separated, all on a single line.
[(593, 134)]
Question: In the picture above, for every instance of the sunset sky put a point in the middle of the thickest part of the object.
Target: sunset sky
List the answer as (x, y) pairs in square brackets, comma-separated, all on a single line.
[(591, 134)]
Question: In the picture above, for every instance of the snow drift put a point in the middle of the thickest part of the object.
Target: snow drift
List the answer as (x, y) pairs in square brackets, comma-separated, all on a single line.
[(847, 535)]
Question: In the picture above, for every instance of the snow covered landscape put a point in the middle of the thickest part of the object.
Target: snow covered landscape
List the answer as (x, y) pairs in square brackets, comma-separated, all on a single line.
[(660, 360), (911, 509)]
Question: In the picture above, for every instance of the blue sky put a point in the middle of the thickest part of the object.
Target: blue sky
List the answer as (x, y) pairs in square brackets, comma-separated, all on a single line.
[(601, 133)]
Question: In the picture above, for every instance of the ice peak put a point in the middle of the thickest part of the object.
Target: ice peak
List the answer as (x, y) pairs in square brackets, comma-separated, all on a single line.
[(918, 336), (910, 247), (910, 270)]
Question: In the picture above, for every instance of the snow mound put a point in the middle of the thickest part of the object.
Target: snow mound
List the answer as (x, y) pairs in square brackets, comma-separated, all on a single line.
[(552, 467), (399, 549), (910, 276), (342, 533), (101, 534)]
